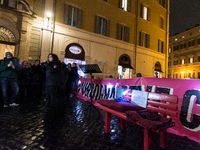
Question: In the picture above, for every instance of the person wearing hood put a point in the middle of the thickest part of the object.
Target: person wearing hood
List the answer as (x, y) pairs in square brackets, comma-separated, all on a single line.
[(9, 69), (52, 69)]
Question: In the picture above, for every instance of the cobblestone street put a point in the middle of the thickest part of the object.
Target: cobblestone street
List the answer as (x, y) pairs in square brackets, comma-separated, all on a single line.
[(25, 127)]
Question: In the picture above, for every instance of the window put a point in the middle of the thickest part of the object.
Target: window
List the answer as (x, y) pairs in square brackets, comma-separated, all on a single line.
[(72, 16), (102, 26), (144, 40), (191, 60), (198, 58), (169, 64), (162, 3), (191, 43), (183, 45), (199, 41), (182, 61), (170, 49), (176, 62), (161, 23), (176, 47), (8, 3), (123, 33), (145, 12), (160, 46), (125, 5), (105, 0)]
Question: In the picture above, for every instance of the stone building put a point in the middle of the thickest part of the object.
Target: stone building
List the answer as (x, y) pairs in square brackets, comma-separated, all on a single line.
[(124, 37), (184, 54)]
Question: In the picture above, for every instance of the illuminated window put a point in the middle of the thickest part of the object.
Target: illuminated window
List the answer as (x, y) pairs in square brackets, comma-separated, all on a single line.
[(191, 60), (102, 26), (145, 12), (170, 49), (182, 61), (72, 16), (144, 40), (123, 33), (125, 5)]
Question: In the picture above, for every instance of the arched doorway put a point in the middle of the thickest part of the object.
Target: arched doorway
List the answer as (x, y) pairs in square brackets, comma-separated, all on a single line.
[(75, 53), (124, 67), (7, 41), (158, 71)]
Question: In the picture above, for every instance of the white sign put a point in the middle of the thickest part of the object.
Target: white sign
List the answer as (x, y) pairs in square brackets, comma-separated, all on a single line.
[(75, 49), (139, 98)]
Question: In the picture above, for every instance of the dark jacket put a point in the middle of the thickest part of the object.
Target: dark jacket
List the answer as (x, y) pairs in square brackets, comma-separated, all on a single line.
[(53, 73), (9, 72), (74, 73), (36, 74), (25, 76)]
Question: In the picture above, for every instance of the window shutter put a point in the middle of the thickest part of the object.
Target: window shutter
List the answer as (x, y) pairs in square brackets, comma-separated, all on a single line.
[(119, 31), (79, 21), (120, 4), (129, 6), (148, 40), (158, 45), (108, 28), (148, 14), (66, 11), (96, 24), (140, 39), (162, 47), (141, 10), (126, 32)]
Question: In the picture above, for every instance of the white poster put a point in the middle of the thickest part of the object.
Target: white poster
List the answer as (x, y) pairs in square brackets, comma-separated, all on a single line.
[(139, 98)]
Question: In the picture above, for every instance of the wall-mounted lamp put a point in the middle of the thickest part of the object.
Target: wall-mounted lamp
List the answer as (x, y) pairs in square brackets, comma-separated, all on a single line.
[(48, 17)]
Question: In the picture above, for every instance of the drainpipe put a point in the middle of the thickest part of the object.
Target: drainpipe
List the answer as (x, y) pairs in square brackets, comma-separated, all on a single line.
[(136, 24), (167, 40), (53, 32)]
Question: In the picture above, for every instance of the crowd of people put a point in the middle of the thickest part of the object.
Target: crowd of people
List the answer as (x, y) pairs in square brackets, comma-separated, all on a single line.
[(30, 84)]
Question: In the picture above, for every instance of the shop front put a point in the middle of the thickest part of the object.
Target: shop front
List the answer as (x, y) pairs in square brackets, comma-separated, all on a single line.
[(157, 71), (124, 67), (74, 53)]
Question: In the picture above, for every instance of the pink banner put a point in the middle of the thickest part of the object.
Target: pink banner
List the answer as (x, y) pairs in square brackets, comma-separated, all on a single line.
[(187, 90)]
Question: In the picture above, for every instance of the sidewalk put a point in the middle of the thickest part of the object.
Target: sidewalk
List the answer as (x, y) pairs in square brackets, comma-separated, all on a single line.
[(28, 128)]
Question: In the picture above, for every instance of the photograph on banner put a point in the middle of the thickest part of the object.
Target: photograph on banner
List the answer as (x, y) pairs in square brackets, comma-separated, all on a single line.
[(139, 98)]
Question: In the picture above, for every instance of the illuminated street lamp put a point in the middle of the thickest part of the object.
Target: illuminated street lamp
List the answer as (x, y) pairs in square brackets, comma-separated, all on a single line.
[(48, 16)]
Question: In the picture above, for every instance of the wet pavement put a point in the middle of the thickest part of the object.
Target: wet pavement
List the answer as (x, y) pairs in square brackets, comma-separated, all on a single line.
[(26, 127)]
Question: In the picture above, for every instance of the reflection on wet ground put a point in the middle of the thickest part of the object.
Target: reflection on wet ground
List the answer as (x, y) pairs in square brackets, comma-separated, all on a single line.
[(26, 127)]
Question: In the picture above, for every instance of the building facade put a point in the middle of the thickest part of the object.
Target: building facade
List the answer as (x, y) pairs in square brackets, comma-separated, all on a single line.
[(184, 54), (124, 37)]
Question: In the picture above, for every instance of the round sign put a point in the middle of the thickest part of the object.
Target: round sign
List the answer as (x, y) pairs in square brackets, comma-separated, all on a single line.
[(75, 49)]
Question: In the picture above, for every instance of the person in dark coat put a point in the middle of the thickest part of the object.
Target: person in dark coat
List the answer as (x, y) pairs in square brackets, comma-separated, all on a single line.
[(37, 77), (69, 79), (52, 75), (74, 79), (24, 80)]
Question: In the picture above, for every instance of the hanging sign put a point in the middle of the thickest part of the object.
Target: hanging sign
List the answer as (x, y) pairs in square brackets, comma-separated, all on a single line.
[(75, 50)]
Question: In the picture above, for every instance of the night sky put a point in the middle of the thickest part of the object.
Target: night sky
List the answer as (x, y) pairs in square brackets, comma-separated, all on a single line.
[(184, 14)]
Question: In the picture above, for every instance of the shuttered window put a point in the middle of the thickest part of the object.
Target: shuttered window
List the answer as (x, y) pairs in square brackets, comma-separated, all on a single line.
[(125, 5), (8, 3), (123, 33), (144, 40), (145, 12), (161, 23), (102, 26), (162, 3), (72, 16)]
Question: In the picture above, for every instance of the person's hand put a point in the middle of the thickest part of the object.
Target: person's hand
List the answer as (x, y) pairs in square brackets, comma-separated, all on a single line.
[(13, 66), (9, 65)]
